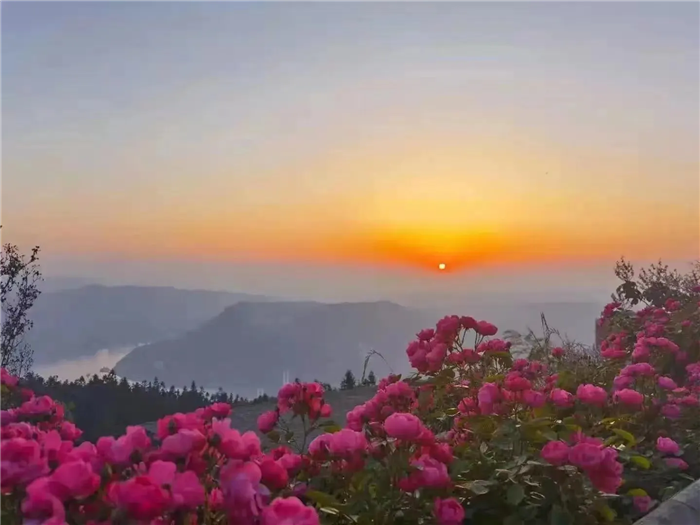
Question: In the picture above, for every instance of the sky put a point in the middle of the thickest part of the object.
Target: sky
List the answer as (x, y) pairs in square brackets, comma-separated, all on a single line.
[(347, 149)]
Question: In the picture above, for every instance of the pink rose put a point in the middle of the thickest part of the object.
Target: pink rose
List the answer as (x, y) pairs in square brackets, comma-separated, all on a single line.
[(667, 446), (585, 455), (74, 479), (629, 397), (486, 329), (591, 395), (555, 452), (561, 398), (671, 411), (676, 463), (642, 503), (448, 511), (268, 420), (667, 383), (289, 510), (403, 426)]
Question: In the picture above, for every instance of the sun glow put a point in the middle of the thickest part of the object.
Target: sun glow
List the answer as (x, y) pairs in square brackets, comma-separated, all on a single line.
[(442, 266)]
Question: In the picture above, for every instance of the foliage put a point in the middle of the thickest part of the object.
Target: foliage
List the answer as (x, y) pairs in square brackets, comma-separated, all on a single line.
[(349, 382), (20, 276), (106, 405), (473, 436), (371, 379)]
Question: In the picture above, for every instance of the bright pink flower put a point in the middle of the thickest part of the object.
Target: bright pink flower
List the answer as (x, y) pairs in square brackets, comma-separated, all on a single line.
[(74, 479), (140, 498), (629, 397), (22, 462), (642, 503), (448, 511), (557, 351), (489, 394), (555, 452), (562, 398), (430, 473), (171, 424), (8, 416), (440, 451), (187, 491), (119, 451), (232, 444), (37, 406), (534, 398), (671, 411), (667, 446), (273, 473), (347, 443), (486, 329), (355, 418), (676, 463), (8, 379), (217, 410), (621, 382), (320, 446), (183, 443), (585, 455), (289, 511), (267, 421), (244, 496), (41, 505), (69, 431), (591, 395), (426, 335), (516, 382), (403, 426), (291, 462)]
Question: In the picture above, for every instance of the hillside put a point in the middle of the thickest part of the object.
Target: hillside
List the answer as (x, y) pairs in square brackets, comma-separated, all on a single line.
[(250, 345), (78, 322)]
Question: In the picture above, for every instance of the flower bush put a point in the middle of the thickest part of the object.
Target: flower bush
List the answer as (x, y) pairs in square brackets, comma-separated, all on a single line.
[(473, 436)]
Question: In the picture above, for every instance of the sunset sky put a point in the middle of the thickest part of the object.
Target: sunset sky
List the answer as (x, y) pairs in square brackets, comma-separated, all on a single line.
[(358, 135)]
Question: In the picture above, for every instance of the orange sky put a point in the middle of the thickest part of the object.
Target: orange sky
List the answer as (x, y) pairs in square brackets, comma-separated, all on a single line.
[(472, 135)]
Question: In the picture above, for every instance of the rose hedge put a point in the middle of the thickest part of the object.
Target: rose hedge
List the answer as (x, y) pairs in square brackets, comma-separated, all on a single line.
[(473, 436)]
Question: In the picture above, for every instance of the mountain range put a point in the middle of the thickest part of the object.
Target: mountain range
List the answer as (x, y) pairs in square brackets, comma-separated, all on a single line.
[(251, 345), (242, 342), (76, 322)]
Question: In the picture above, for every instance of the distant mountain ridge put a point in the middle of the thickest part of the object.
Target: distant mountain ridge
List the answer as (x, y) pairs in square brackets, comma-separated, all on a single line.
[(250, 345), (77, 322)]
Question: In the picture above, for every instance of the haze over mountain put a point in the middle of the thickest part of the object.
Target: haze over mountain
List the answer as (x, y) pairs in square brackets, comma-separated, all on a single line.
[(250, 345), (77, 322)]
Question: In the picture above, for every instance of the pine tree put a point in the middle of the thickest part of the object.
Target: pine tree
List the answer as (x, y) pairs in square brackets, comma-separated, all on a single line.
[(348, 382), (371, 378)]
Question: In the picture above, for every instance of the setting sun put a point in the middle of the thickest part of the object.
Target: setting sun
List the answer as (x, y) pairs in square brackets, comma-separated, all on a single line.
[(441, 266)]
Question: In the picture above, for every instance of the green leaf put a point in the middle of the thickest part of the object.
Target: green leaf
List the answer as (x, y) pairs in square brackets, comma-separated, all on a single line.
[(478, 487), (321, 498), (273, 436), (607, 513), (549, 435), (515, 494), (629, 438), (637, 492), (641, 462), (559, 516), (458, 466), (331, 428)]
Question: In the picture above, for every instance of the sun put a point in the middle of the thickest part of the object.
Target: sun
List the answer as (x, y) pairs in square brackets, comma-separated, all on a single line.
[(442, 266)]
